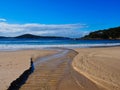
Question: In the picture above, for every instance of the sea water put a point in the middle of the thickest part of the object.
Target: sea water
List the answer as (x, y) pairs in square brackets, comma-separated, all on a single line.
[(14, 43)]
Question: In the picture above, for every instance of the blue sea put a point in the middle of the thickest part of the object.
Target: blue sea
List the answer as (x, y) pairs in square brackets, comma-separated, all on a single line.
[(14, 44)]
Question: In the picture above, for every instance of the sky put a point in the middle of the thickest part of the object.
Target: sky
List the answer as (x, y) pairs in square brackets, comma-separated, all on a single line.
[(70, 18)]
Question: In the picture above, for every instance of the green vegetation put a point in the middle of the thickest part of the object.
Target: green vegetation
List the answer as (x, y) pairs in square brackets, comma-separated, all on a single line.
[(112, 33)]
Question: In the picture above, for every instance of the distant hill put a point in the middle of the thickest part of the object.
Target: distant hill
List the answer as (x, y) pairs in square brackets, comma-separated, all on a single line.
[(30, 36), (27, 36), (111, 33), (2, 37), (39, 37)]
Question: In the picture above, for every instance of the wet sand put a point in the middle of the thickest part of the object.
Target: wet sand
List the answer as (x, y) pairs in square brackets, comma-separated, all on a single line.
[(14, 63), (78, 69), (53, 74), (91, 69)]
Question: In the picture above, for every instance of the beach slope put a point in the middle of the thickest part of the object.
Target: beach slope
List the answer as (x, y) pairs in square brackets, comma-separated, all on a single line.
[(100, 65)]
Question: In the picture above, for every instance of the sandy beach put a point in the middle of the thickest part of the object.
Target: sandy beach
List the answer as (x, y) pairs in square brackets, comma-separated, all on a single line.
[(78, 69), (99, 65), (91, 69), (14, 63)]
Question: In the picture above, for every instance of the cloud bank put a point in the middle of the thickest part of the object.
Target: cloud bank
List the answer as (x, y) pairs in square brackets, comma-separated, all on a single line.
[(67, 30)]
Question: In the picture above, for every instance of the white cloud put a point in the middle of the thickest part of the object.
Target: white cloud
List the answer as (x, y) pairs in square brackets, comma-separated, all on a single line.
[(3, 20), (41, 29)]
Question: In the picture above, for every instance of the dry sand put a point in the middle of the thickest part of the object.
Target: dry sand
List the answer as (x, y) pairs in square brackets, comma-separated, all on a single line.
[(91, 69), (14, 63), (99, 65)]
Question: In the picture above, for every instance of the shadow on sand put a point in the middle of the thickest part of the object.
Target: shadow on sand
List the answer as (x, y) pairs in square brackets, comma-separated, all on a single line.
[(16, 84)]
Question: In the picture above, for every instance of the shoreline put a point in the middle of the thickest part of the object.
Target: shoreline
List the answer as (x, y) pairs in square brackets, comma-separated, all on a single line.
[(87, 70), (71, 46)]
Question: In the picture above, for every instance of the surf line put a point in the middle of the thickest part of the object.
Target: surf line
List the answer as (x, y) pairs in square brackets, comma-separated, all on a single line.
[(16, 84)]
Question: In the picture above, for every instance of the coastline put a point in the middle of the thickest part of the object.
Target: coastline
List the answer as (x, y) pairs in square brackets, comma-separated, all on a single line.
[(80, 68)]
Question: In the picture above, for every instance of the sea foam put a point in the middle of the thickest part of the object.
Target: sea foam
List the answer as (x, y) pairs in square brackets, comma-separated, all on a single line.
[(25, 46)]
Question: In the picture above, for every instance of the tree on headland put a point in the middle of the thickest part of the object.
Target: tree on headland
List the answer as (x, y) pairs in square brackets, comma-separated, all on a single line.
[(111, 33)]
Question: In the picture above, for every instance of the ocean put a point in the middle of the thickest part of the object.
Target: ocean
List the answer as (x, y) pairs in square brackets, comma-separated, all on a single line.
[(15, 43)]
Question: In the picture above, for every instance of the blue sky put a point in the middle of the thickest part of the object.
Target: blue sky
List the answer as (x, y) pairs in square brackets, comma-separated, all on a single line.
[(72, 18)]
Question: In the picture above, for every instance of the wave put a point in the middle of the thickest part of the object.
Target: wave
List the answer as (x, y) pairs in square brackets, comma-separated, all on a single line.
[(26, 46)]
